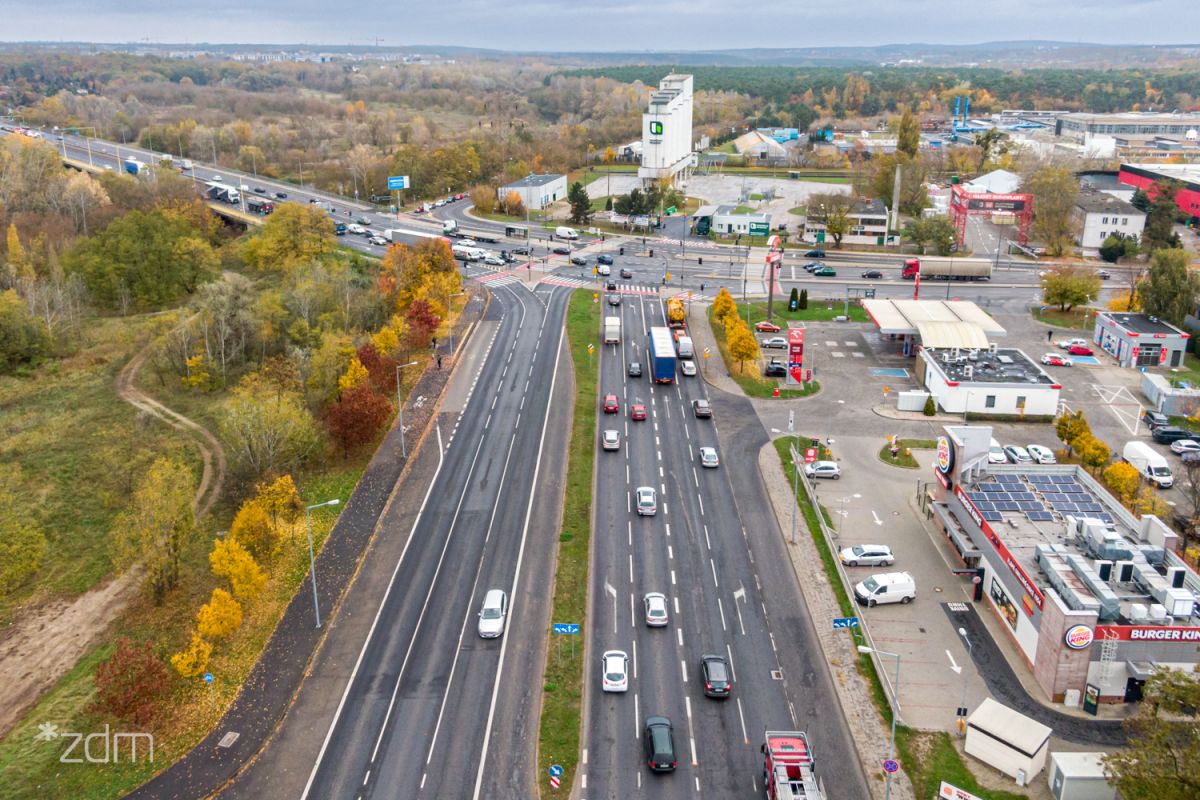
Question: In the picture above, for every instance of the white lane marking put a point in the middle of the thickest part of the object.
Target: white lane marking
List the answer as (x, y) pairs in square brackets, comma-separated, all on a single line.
[(660, 474), (366, 778), (687, 433), (721, 608), (679, 636), (583, 779), (672, 577), (742, 717), (667, 525), (706, 541), (701, 500), (713, 564), (676, 599), (687, 701), (631, 533), (585, 755), (664, 505), (683, 669), (632, 613), (634, 664), (695, 478), (732, 668), (637, 717), (670, 552), (631, 567)]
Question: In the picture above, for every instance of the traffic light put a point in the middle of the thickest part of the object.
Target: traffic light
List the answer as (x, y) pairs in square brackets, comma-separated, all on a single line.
[(622, 251)]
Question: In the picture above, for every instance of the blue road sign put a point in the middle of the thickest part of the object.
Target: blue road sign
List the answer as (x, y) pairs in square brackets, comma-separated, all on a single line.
[(556, 771), (566, 627), (845, 622), (891, 765), (397, 182), (208, 677)]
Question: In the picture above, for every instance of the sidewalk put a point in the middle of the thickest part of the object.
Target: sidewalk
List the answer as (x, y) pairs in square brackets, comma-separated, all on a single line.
[(272, 684), (712, 368)]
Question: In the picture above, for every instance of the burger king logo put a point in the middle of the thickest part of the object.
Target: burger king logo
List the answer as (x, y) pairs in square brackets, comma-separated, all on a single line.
[(945, 454), (1079, 636)]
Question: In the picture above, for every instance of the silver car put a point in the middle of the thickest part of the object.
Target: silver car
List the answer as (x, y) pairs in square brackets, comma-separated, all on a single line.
[(867, 555), (493, 614), (688, 368), (655, 604), (708, 457), (611, 440), (647, 501)]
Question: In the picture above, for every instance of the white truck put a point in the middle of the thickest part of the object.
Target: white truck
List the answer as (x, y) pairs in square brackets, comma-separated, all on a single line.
[(612, 330), (563, 232), (1149, 463)]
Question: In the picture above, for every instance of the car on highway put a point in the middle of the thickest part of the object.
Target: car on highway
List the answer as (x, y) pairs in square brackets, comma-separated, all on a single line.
[(493, 614), (655, 605), (561, 251), (647, 501), (216, 178), (708, 458), (604, 258), (626, 274), (614, 671), (377, 239), (1056, 360), (714, 674), (610, 440), (688, 368), (439, 203), (1181, 446), (873, 274), (767, 327), (1066, 344), (1170, 433), (612, 287), (520, 250), (823, 469), (867, 555), (1103, 274), (824, 272), (775, 342), (817, 253), (1040, 454), (1017, 454), (775, 369), (637, 412), (611, 404), (635, 369), (1080, 350), (658, 742), (701, 409), (281, 195), (259, 190), (813, 265), (363, 221), (580, 261), (356, 228)]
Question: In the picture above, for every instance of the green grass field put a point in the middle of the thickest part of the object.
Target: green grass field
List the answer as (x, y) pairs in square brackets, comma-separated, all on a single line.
[(817, 311)]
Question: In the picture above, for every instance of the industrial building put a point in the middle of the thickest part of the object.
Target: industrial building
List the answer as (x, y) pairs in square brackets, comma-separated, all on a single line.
[(667, 131), (1099, 215), (538, 191), (1140, 340), (1078, 127), (1144, 176), (1093, 598)]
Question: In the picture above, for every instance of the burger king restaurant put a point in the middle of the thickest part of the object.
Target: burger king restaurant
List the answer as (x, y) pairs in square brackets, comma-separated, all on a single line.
[(1092, 598)]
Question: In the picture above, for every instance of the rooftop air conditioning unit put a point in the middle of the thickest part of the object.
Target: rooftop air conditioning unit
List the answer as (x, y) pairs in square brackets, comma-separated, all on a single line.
[(1138, 612), (993, 348), (968, 372)]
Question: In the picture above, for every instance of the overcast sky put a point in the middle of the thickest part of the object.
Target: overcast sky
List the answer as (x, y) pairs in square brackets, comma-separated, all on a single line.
[(601, 25)]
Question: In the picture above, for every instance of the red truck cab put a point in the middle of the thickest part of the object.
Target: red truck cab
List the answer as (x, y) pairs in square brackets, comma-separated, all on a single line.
[(911, 267)]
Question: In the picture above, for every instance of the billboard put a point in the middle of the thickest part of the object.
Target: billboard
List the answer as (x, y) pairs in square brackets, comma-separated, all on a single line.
[(795, 355)]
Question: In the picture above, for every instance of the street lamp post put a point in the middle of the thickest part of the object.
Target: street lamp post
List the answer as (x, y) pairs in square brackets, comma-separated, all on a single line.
[(400, 407), (862, 648), (449, 301), (962, 707), (312, 564)]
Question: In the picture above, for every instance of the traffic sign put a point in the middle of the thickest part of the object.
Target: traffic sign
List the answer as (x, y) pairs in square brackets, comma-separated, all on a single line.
[(555, 770), (569, 628), (891, 765), (554, 782), (845, 622), (396, 182), (707, 352), (810, 455), (208, 677), (671, 210)]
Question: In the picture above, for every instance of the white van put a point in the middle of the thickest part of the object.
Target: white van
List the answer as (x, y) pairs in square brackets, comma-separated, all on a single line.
[(996, 454), (1149, 463), (887, 587), (564, 232)]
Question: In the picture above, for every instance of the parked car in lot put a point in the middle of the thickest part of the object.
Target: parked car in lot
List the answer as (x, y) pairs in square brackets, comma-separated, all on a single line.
[(1041, 455), (658, 742), (637, 412), (1017, 454), (614, 671), (611, 404), (688, 368), (996, 454), (1066, 344), (775, 343), (701, 409), (767, 327), (873, 274), (647, 501), (1170, 433), (775, 369), (635, 369), (626, 274), (604, 258), (655, 605), (888, 587), (610, 440), (1056, 360), (867, 555), (1080, 350), (714, 674), (1183, 446), (823, 469), (708, 457), (1154, 419)]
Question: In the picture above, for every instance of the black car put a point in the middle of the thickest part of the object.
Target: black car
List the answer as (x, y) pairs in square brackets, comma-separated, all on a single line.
[(579, 261), (714, 674), (614, 299), (873, 274), (626, 273), (1155, 419), (281, 195), (1170, 434), (612, 287), (520, 250), (561, 251), (635, 369), (604, 258), (818, 253), (659, 742), (259, 190), (775, 369)]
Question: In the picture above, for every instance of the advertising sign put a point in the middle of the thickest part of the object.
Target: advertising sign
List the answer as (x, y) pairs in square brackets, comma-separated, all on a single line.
[(1149, 633), (760, 228), (949, 791), (396, 182), (795, 355), (1078, 637), (945, 454)]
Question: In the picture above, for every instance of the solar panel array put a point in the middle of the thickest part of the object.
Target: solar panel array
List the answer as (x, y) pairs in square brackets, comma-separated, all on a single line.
[(1062, 494)]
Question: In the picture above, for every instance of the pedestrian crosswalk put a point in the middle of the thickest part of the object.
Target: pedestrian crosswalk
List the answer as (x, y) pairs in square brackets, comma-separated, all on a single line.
[(579, 283), (498, 278)]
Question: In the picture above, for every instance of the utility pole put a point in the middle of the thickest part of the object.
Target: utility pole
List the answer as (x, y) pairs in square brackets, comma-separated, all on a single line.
[(894, 217)]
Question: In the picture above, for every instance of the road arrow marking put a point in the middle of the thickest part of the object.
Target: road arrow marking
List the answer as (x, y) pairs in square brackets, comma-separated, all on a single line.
[(878, 521), (957, 669)]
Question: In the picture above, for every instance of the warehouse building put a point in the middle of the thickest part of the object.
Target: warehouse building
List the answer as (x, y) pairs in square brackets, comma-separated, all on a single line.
[(1144, 176), (538, 191)]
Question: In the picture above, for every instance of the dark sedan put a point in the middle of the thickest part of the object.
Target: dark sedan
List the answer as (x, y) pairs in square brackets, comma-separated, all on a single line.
[(604, 258), (873, 274)]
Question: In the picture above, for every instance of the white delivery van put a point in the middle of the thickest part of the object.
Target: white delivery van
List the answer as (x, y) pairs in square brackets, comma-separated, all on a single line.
[(612, 330), (564, 232), (887, 587), (684, 347), (1149, 463)]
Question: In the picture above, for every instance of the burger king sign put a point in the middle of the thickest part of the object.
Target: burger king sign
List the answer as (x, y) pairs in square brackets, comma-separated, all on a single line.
[(1078, 637), (945, 455)]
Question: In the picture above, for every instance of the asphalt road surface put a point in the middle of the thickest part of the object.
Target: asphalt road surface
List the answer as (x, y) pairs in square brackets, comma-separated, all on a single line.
[(696, 551)]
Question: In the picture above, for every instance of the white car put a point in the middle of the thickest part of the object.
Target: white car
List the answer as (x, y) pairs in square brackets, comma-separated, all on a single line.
[(823, 469), (708, 457), (867, 555), (647, 501), (493, 260), (1067, 344), (1017, 454), (377, 240), (353, 228), (1182, 446), (655, 604), (603, 269), (611, 440), (614, 671), (688, 368), (493, 614), (1041, 455)]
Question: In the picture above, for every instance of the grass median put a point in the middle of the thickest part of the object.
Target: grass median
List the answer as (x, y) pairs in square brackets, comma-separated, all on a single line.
[(927, 757), (750, 376), (904, 458), (562, 685)]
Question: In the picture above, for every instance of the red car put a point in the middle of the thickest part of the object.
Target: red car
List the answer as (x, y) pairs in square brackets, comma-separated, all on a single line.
[(637, 412), (611, 404), (1080, 350), (767, 327)]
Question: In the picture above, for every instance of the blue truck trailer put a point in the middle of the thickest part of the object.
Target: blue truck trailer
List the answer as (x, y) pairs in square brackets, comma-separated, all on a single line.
[(662, 355)]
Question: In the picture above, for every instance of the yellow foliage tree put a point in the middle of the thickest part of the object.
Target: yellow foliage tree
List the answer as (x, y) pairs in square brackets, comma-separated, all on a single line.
[(231, 561), (1125, 300), (1148, 502), (484, 198), (514, 206), (197, 373), (220, 616), (192, 660), (1123, 480), (252, 529), (742, 344), (386, 340), (280, 500), (724, 306), (294, 234), (356, 375), (18, 262)]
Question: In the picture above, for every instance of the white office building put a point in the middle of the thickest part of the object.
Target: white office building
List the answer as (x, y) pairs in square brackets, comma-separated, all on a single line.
[(667, 130), (537, 191)]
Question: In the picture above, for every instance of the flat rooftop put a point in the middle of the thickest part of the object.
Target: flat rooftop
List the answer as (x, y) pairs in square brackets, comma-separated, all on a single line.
[(986, 366), (532, 180), (1141, 323), (1028, 507)]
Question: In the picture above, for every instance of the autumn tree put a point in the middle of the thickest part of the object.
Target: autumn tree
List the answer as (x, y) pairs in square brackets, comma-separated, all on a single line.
[(266, 431), (1092, 452), (280, 500), (514, 206), (938, 231), (483, 197), (158, 524), (1149, 501), (191, 661), (580, 202), (23, 543), (990, 143), (908, 134), (1123, 480), (724, 306), (1115, 247), (1067, 287), (1170, 289), (20, 267), (743, 346), (293, 235), (233, 562), (1159, 232), (22, 340), (1054, 191), (252, 528), (381, 370), (131, 682), (422, 323), (1069, 427), (220, 616), (833, 210), (357, 416), (1163, 751), (355, 376)]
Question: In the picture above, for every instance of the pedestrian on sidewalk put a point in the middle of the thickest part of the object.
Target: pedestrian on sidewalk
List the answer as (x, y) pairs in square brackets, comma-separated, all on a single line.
[(439, 361), (1049, 335)]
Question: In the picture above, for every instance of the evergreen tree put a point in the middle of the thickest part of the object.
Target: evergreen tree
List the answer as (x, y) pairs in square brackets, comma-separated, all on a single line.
[(581, 204), (804, 299), (794, 300), (1160, 219)]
